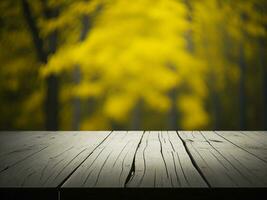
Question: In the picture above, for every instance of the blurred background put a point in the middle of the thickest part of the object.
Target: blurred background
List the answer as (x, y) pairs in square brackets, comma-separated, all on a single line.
[(124, 64)]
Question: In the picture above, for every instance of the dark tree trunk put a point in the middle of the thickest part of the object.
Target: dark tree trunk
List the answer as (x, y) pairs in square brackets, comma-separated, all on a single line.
[(263, 55), (51, 101), (76, 120), (85, 27), (173, 114), (37, 41), (216, 104), (136, 117), (242, 89)]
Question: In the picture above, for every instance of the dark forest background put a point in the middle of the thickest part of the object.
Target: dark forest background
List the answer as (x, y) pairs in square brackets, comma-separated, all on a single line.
[(142, 64)]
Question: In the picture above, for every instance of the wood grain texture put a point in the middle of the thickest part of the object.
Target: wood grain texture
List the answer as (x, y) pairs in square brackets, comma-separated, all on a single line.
[(162, 161), (17, 146), (223, 163), (254, 143), (133, 159), (258, 136), (109, 164), (60, 154)]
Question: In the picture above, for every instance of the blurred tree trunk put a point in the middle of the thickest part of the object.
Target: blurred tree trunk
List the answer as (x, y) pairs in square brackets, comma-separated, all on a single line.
[(136, 116), (173, 114), (242, 90), (37, 41), (76, 119), (242, 87), (51, 100), (52, 82), (263, 56), (216, 105)]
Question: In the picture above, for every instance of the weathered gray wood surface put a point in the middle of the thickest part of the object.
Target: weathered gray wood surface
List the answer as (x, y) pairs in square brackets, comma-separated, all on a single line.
[(223, 163), (109, 164), (49, 165), (250, 141), (133, 159), (162, 161)]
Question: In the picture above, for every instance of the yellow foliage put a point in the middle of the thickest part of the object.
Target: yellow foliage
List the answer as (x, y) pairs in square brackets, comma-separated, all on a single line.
[(194, 115), (118, 106), (95, 122), (31, 108), (133, 51)]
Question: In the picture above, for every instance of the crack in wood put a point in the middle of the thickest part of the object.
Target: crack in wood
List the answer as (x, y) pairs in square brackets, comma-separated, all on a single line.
[(97, 178), (120, 153), (144, 159), (132, 170), (69, 175), (52, 171), (163, 156), (240, 147), (225, 159), (122, 165), (102, 149), (61, 153), (193, 161), (9, 166), (177, 177), (182, 169), (27, 177), (69, 163), (224, 168)]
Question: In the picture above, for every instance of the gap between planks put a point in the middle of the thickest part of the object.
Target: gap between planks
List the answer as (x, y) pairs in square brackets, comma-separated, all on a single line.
[(176, 166), (145, 159), (49, 167), (227, 162), (111, 164)]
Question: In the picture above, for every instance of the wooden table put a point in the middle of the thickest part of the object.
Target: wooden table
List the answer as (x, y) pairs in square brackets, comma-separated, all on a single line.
[(90, 159)]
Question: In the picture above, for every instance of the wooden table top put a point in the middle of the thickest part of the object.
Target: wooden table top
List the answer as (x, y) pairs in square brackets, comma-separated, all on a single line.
[(71, 159)]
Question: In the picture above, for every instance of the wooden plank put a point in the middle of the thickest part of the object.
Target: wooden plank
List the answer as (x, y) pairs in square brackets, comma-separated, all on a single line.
[(17, 146), (258, 136), (110, 163), (133, 159), (162, 161), (50, 166), (223, 163), (15, 139), (255, 145)]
